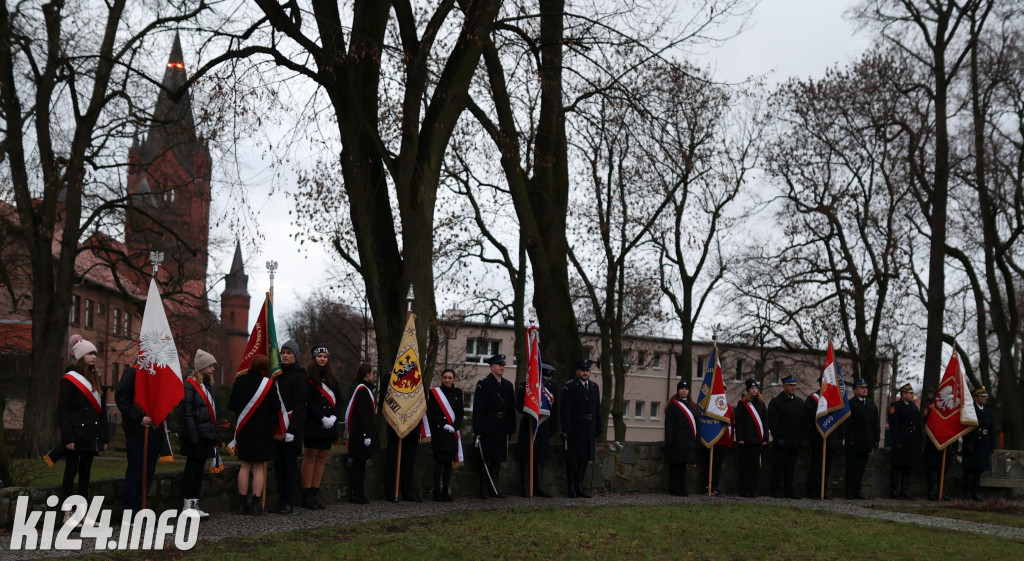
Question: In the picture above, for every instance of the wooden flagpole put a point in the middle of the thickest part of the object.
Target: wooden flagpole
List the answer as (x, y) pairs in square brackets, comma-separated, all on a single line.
[(531, 452), (401, 440), (942, 476), (145, 462), (824, 449), (711, 467), (271, 268)]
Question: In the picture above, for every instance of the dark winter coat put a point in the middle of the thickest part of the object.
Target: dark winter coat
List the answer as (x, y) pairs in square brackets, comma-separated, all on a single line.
[(581, 418), (318, 407), (905, 429), (786, 421), (78, 421), (746, 425), (360, 426), (256, 439), (196, 428), (862, 429), (131, 415), (979, 443), (680, 442), (542, 444), (445, 445), (494, 418), (294, 391)]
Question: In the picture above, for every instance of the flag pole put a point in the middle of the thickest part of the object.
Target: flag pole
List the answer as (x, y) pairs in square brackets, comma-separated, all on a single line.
[(398, 462), (942, 476), (271, 269), (534, 423), (824, 448), (157, 257), (711, 467)]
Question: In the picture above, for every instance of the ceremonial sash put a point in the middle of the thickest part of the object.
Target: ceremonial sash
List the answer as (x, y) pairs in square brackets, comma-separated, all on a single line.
[(425, 429), (689, 416), (324, 391), (201, 390), (283, 416), (756, 417), (247, 411), (449, 415), (85, 387), (348, 410)]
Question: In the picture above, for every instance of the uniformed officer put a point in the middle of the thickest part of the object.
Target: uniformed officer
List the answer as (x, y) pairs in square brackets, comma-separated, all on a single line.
[(542, 442), (978, 445), (581, 420), (905, 429), (493, 422), (832, 445), (861, 431), (751, 436), (785, 421)]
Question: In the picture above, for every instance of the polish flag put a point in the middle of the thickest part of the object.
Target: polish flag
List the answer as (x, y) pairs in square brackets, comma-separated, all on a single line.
[(158, 384)]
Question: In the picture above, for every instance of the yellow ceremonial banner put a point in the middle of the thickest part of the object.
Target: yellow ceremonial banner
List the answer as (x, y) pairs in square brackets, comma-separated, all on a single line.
[(405, 402)]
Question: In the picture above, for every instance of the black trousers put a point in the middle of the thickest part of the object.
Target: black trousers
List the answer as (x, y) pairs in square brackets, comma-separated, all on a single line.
[(677, 479), (749, 464), (286, 471), (721, 453), (783, 470), (407, 485), (814, 471), (856, 462), (442, 477), (900, 481), (357, 480), (133, 473), (192, 477), (77, 464)]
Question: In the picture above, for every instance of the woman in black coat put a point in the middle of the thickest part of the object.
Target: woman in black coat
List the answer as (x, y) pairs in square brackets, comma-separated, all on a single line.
[(445, 432), (322, 412), (359, 426), (680, 437), (81, 416), (751, 435), (254, 440), (197, 427)]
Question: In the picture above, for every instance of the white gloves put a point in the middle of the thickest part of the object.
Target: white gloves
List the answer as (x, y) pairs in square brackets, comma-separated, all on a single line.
[(476, 443), (329, 421), (366, 442), (288, 437), (449, 428)]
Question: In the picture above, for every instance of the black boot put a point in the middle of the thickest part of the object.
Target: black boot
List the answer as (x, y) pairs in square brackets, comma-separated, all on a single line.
[(570, 479), (495, 471), (244, 505), (581, 472), (933, 485), (316, 498), (894, 483), (257, 506), (524, 480), (307, 499), (538, 481)]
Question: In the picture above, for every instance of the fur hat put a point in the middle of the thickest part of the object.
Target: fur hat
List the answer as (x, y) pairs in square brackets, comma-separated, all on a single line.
[(82, 348), (203, 359)]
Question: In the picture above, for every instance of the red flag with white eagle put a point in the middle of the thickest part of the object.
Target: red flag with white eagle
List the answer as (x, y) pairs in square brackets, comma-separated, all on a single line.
[(158, 384), (952, 414)]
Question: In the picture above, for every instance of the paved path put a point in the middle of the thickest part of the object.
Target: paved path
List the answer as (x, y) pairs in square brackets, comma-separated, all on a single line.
[(223, 525)]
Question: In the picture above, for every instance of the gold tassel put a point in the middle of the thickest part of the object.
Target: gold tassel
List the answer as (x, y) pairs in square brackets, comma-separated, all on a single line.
[(48, 461), (166, 459)]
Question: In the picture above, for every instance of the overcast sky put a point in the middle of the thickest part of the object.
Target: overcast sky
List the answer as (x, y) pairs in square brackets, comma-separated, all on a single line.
[(783, 38)]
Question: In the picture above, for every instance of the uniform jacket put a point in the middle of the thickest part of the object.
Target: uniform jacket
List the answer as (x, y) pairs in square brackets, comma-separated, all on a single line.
[(494, 416), (318, 407), (196, 429), (79, 423), (979, 443), (746, 426), (862, 429), (361, 426), (131, 415), (905, 429), (542, 444), (680, 442), (294, 391), (785, 421), (445, 445), (581, 418)]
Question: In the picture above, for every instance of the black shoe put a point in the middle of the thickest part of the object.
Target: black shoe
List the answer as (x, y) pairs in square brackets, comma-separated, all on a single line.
[(719, 493), (793, 496), (307, 499), (257, 507), (571, 494), (360, 501), (540, 492), (584, 495), (244, 505), (284, 510), (316, 498), (411, 498), (859, 497), (777, 495), (500, 495)]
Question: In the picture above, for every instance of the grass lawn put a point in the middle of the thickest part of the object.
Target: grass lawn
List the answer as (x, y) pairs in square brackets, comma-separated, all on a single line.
[(972, 512), (31, 472), (704, 532)]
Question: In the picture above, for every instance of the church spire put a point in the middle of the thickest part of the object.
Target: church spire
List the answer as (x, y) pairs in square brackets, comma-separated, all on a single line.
[(237, 282)]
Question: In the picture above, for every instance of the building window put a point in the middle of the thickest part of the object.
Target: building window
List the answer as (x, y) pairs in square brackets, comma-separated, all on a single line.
[(641, 360), (76, 309), (115, 373), (777, 371), (627, 358), (625, 409), (656, 361), (101, 310), (467, 401), (89, 320), (587, 350), (702, 365), (128, 325), (479, 350), (739, 369), (117, 321), (655, 406), (638, 411)]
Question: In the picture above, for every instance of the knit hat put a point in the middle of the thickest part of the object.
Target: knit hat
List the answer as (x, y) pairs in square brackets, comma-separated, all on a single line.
[(291, 346), (82, 348), (203, 360)]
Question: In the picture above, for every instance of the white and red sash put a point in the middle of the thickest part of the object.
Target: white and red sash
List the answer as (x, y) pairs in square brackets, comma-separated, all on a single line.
[(348, 410), (284, 417), (247, 411), (325, 391), (425, 435), (449, 415), (689, 416), (85, 387), (207, 398), (756, 417)]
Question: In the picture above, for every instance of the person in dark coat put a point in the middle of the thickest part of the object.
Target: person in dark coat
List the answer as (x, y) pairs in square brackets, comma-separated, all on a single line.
[(542, 442), (978, 446), (905, 430), (136, 422), (294, 389), (681, 437), (493, 421), (785, 421), (833, 442), (751, 436), (82, 419), (323, 409), (932, 457), (723, 449), (407, 481), (254, 439), (861, 432), (197, 428), (580, 408), (445, 429), (360, 435)]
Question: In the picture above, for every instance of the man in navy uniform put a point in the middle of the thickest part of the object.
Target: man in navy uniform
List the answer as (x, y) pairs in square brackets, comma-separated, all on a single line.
[(905, 429), (581, 420), (978, 445), (862, 432), (542, 443), (493, 421), (785, 420)]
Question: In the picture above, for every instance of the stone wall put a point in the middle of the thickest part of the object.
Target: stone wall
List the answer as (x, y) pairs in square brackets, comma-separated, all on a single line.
[(630, 467)]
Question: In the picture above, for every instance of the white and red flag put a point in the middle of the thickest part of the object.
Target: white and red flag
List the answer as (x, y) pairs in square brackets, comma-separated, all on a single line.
[(533, 400), (833, 405), (952, 413), (158, 384)]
